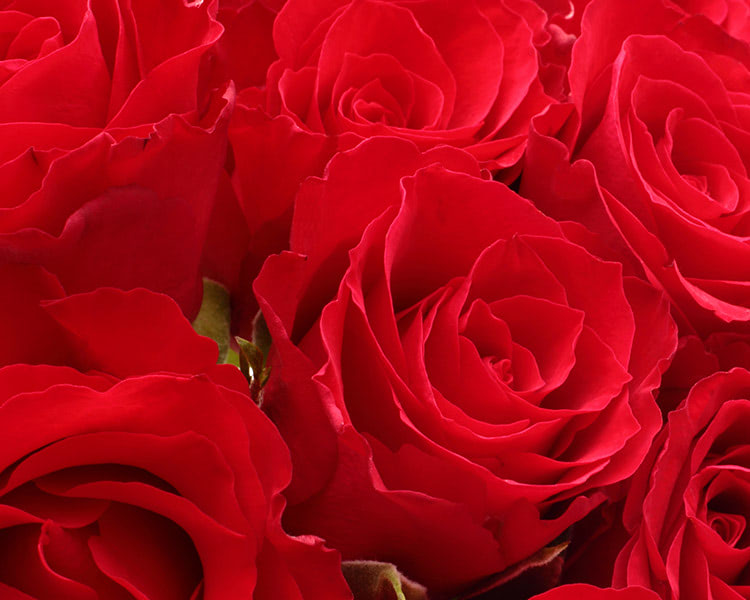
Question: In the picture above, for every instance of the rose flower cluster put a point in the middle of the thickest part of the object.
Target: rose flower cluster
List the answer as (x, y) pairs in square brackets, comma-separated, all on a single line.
[(375, 299)]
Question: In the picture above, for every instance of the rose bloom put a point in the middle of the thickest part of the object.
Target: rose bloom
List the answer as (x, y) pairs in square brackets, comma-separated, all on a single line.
[(435, 72), (145, 472), (111, 147), (688, 507), (456, 380), (662, 99)]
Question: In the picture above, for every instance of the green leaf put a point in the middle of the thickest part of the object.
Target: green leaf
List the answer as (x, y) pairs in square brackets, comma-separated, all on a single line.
[(261, 335), (251, 358), (233, 358), (214, 317), (372, 580)]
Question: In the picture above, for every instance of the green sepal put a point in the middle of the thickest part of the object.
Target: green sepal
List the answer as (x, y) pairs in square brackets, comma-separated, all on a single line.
[(261, 335), (214, 316), (372, 580), (252, 364)]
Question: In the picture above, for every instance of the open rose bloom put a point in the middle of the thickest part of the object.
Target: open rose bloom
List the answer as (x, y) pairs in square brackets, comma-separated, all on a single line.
[(662, 104), (689, 510), (143, 470), (460, 379), (463, 74), (374, 299)]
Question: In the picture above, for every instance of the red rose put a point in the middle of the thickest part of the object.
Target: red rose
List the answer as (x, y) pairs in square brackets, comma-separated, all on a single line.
[(434, 72), (663, 105), (456, 380), (110, 146), (587, 592), (146, 473), (688, 507)]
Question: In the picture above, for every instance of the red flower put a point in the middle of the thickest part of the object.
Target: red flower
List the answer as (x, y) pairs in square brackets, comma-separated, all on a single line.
[(663, 105), (434, 72), (688, 508), (110, 149), (732, 15), (456, 380), (145, 472)]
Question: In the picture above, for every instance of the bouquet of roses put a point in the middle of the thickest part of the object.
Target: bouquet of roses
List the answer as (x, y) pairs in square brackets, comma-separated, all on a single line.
[(375, 299)]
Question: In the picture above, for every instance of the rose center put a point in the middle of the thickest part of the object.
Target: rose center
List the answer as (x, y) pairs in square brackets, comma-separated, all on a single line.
[(699, 182), (727, 516), (729, 527), (503, 368)]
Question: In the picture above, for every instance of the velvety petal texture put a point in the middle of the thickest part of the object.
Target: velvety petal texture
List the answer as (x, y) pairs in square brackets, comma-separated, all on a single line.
[(477, 274), (661, 112), (688, 507), (143, 469), (435, 72), (108, 135), (457, 381), (431, 71)]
